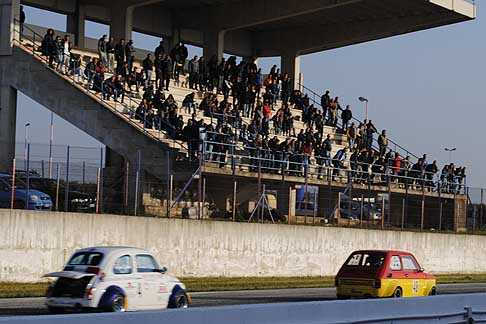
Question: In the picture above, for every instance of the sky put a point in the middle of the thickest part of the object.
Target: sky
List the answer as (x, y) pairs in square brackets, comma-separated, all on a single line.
[(427, 89)]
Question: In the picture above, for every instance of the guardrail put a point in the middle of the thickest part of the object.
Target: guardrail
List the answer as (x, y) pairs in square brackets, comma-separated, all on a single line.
[(438, 309)]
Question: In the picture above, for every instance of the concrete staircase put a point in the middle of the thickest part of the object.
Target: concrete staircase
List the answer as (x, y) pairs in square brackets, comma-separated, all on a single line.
[(102, 120)]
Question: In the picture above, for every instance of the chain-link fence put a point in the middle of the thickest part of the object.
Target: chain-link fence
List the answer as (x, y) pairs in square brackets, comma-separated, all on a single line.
[(228, 182)]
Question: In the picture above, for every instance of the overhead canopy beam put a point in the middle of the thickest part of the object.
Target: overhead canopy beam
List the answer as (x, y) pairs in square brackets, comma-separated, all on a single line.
[(335, 35), (256, 12)]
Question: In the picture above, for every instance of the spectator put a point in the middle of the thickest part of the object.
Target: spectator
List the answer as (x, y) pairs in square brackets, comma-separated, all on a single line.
[(189, 104), (203, 74), (325, 101), (160, 50), (48, 46), (120, 54), (370, 129), (179, 55), (338, 162), (396, 165), (109, 89), (130, 54), (75, 67), (90, 71), (430, 171), (259, 82), (22, 21), (460, 176), (110, 52), (123, 77), (148, 67), (166, 70), (99, 76), (327, 149), (64, 55), (346, 116), (268, 98), (102, 46), (159, 80), (383, 142), (59, 49), (351, 134), (333, 112), (320, 154), (417, 172), (139, 78), (286, 88), (193, 73)]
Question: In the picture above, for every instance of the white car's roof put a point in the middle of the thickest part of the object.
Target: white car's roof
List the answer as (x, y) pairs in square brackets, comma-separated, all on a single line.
[(113, 249)]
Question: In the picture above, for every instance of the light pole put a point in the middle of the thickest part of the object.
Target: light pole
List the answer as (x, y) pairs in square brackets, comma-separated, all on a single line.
[(26, 139), (363, 99), (51, 140), (450, 150)]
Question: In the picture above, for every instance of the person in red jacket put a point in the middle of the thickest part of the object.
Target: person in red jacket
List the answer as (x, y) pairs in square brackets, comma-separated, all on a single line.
[(267, 111), (397, 164)]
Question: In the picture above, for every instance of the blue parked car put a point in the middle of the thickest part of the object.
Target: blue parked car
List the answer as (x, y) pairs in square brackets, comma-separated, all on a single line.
[(36, 200)]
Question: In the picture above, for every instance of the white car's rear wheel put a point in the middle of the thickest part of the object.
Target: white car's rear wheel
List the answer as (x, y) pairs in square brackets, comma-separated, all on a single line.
[(118, 304)]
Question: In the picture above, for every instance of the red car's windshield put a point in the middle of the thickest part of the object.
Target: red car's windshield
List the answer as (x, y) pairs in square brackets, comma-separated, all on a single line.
[(369, 260)]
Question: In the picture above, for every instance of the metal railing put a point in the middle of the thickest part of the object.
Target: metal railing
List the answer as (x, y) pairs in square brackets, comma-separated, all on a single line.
[(261, 160)]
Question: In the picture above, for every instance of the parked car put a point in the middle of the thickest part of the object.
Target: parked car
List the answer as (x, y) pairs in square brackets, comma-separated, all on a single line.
[(383, 274), (78, 201), (32, 199), (353, 212), (114, 279)]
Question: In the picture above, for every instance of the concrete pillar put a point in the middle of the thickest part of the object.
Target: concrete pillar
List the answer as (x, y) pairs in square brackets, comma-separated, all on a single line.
[(121, 22), (213, 44), (8, 115), (9, 10), (113, 181), (76, 24), (290, 63)]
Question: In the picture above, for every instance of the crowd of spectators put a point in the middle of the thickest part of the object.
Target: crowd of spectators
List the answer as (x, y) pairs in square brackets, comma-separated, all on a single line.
[(255, 110)]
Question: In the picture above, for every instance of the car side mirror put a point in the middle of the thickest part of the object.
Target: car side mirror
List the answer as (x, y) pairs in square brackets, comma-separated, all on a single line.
[(421, 270), (163, 270)]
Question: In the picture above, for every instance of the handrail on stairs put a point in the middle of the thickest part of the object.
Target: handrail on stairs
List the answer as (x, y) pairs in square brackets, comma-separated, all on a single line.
[(132, 112)]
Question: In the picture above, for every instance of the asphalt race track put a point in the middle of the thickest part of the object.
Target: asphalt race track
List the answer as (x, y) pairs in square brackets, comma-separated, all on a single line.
[(35, 306)]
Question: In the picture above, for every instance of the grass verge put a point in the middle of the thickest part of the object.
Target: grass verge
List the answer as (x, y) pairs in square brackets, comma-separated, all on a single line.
[(18, 290)]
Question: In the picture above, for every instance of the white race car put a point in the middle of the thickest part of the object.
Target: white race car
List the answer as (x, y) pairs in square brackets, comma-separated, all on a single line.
[(115, 279)]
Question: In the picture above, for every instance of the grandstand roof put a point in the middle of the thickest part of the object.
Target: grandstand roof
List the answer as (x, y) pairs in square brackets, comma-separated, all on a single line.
[(269, 27)]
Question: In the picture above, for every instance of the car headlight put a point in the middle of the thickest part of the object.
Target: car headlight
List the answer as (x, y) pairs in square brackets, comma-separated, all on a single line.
[(34, 198)]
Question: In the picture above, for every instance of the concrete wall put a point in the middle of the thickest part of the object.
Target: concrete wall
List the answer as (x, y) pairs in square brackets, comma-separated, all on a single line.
[(34, 243)]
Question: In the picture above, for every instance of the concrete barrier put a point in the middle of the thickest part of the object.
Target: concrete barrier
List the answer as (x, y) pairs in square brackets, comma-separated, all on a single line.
[(34, 243), (437, 309)]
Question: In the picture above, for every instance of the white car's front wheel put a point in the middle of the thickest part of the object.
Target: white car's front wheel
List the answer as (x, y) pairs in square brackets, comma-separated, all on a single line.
[(181, 301), (118, 304)]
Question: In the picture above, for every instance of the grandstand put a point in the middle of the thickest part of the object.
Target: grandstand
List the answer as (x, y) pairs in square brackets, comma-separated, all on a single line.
[(235, 167)]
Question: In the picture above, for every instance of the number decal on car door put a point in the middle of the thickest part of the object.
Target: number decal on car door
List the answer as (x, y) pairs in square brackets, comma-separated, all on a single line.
[(415, 286)]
